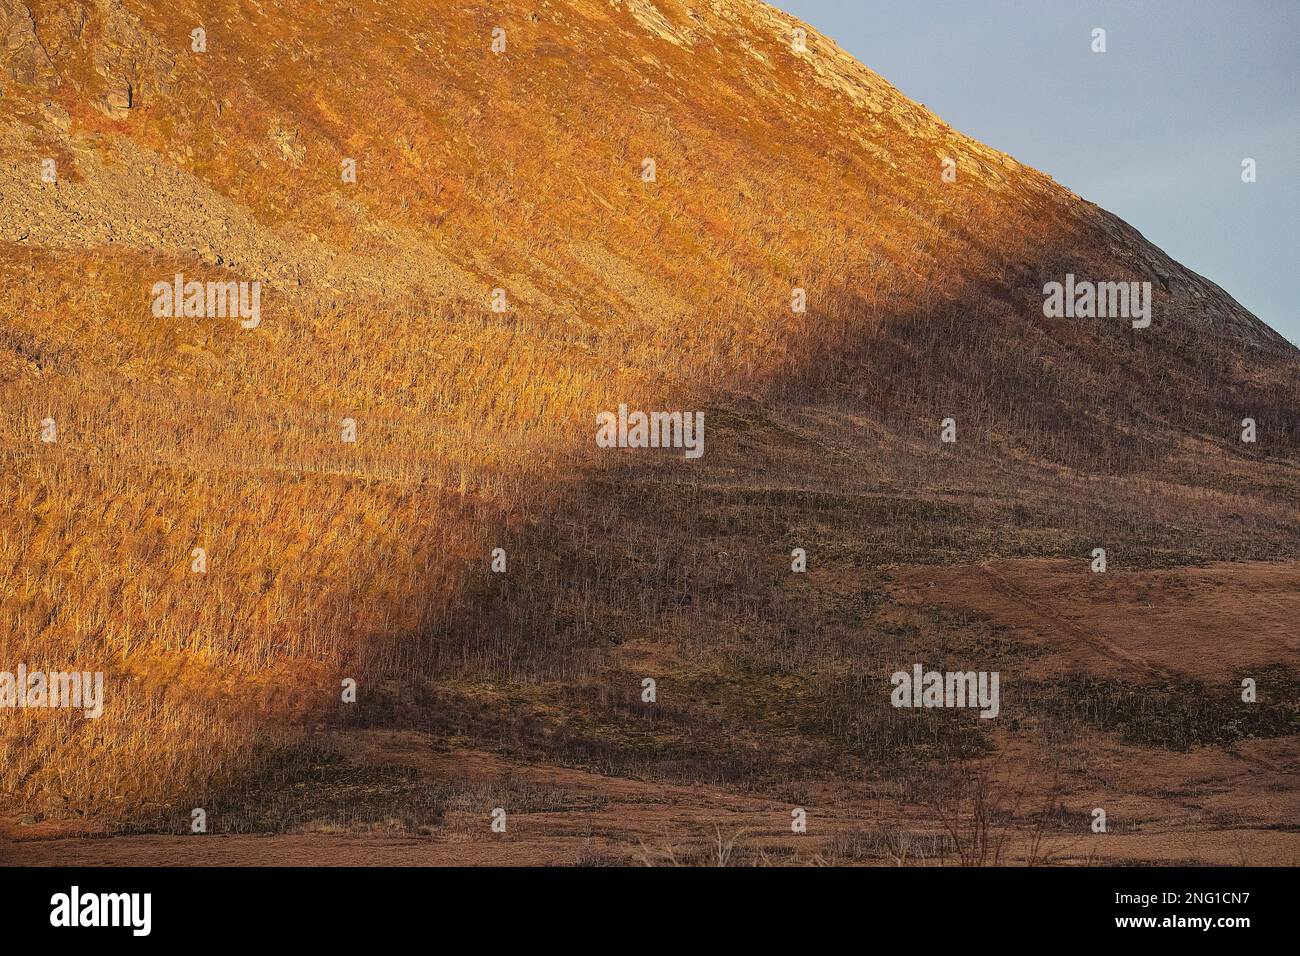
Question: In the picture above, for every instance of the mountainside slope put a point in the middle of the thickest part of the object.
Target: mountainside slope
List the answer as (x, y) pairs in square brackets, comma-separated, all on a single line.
[(524, 171)]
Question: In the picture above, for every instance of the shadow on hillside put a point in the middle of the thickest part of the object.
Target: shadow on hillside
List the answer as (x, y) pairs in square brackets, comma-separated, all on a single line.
[(644, 561)]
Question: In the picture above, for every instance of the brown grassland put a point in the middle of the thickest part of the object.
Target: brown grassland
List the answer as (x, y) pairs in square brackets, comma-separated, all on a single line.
[(370, 560)]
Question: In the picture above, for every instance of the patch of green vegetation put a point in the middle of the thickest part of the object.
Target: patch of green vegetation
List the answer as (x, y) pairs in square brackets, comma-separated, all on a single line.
[(855, 709), (1174, 717), (317, 788)]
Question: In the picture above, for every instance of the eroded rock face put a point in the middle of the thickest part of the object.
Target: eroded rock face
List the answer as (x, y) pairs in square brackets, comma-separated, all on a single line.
[(653, 19), (23, 58), (64, 27), (127, 60)]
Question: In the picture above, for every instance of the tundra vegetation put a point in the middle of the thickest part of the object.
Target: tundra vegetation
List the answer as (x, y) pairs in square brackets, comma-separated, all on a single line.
[(520, 169)]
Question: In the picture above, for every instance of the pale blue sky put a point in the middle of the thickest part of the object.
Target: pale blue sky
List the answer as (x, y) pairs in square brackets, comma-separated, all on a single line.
[(1154, 129)]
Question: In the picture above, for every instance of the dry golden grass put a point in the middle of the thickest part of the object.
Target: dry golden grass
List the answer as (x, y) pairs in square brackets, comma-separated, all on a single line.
[(329, 560)]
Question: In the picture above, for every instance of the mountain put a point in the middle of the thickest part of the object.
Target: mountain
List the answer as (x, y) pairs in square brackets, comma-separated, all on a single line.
[(561, 207)]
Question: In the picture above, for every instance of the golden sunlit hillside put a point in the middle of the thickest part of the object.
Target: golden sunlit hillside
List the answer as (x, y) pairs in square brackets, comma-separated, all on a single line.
[(559, 207)]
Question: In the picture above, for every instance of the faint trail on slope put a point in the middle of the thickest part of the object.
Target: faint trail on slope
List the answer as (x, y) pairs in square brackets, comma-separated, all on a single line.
[(1054, 620)]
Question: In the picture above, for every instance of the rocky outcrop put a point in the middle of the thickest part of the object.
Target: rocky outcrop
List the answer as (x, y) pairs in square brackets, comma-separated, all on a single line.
[(22, 58), (129, 62)]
